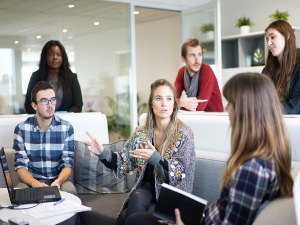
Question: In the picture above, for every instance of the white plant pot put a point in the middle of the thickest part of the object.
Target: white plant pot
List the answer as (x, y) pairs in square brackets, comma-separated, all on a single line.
[(210, 35), (245, 29)]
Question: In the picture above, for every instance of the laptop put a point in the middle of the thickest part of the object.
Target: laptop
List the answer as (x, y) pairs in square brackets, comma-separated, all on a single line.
[(27, 195)]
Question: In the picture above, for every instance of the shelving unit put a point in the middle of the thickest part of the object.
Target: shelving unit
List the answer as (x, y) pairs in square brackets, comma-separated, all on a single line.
[(235, 48)]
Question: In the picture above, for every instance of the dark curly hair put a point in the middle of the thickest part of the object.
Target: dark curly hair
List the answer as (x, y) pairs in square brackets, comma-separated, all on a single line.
[(64, 73)]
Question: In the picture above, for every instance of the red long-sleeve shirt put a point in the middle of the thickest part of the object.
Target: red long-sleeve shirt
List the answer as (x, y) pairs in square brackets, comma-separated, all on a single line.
[(208, 89)]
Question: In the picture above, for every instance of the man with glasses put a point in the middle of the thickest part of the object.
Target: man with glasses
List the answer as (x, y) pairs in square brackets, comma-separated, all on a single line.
[(44, 144)]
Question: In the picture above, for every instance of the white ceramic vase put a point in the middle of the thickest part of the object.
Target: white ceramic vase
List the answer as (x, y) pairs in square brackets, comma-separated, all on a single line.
[(210, 35), (245, 29)]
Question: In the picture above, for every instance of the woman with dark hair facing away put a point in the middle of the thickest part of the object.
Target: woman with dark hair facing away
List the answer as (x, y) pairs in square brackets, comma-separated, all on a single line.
[(54, 68), (259, 165), (162, 150), (283, 64)]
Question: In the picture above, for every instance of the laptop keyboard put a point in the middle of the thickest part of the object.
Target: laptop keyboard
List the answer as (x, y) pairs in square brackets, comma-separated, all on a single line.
[(31, 194)]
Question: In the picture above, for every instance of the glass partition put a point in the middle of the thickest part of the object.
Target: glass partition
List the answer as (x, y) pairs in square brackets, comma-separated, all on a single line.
[(200, 24), (96, 36)]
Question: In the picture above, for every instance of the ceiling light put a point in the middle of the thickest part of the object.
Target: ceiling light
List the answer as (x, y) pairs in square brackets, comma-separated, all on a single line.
[(136, 12), (28, 49), (38, 37), (71, 6), (65, 30), (67, 50), (16, 42), (96, 23)]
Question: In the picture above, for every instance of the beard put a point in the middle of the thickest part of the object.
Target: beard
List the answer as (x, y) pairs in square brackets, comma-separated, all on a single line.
[(46, 117), (193, 70)]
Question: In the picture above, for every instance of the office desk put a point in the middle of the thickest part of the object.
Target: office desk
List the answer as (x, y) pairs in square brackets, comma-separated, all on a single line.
[(6, 214)]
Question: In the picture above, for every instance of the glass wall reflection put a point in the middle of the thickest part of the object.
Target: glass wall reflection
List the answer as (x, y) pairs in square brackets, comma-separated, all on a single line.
[(96, 36)]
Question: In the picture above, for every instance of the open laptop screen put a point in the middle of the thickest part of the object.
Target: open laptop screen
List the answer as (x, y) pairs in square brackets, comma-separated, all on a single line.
[(6, 173)]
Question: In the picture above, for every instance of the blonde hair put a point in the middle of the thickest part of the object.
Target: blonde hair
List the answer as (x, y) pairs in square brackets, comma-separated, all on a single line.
[(172, 129), (258, 130)]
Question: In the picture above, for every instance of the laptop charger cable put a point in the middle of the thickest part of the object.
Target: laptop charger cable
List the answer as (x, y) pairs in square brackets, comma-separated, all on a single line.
[(14, 207)]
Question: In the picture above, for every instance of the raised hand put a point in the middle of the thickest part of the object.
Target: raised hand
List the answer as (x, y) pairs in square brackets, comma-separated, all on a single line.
[(95, 147), (143, 154)]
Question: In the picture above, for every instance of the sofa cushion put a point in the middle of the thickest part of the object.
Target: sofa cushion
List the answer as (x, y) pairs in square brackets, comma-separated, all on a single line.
[(105, 208), (278, 211), (91, 176)]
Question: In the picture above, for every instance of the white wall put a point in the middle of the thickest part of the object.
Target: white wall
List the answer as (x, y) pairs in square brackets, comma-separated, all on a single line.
[(258, 11), (157, 53), (98, 65)]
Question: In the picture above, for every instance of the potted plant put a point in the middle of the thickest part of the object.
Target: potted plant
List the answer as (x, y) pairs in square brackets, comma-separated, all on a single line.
[(244, 24), (208, 29), (279, 15)]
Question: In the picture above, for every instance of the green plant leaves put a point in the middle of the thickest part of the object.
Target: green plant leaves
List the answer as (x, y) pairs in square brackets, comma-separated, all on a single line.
[(279, 15), (244, 21), (207, 27)]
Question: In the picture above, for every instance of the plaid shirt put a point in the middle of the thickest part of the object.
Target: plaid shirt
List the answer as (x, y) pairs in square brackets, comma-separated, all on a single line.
[(44, 154), (254, 182)]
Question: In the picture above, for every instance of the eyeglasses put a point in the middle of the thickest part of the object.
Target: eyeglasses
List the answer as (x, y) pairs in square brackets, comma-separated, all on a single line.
[(46, 101)]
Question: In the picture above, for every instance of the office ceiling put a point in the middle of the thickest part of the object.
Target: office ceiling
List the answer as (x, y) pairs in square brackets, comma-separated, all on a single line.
[(23, 20)]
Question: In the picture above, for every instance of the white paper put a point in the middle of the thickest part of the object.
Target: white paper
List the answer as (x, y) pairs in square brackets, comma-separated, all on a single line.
[(48, 209)]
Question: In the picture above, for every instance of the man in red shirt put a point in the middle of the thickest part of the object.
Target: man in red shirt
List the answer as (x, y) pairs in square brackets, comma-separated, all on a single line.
[(198, 80)]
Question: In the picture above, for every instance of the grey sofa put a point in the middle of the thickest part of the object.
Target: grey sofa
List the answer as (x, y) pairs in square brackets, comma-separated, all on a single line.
[(209, 167)]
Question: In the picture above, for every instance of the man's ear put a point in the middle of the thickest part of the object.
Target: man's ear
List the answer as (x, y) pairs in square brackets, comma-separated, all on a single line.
[(183, 59), (33, 105)]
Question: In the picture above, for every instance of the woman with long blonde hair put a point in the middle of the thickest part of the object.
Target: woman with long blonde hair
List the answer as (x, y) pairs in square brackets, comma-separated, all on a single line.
[(162, 151), (259, 165)]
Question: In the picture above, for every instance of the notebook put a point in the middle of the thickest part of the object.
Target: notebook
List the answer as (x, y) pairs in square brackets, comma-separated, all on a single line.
[(190, 206), (27, 195)]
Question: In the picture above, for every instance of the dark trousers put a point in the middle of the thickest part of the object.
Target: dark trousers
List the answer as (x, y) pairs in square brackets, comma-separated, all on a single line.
[(141, 200)]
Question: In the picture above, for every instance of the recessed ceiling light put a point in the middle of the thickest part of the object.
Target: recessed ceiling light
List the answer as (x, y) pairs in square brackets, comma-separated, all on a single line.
[(136, 12), (67, 50), (65, 30), (28, 49), (38, 37), (16, 42), (71, 6), (96, 23)]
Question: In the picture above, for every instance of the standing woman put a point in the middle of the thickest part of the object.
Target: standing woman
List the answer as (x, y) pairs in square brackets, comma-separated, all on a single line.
[(283, 64), (54, 68), (259, 165), (162, 150)]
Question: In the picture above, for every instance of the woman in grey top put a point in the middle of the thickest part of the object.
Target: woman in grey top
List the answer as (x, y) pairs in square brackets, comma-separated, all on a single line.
[(162, 150)]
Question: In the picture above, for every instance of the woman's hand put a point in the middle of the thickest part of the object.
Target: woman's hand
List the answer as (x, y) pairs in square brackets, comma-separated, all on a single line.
[(143, 154), (178, 218), (94, 145)]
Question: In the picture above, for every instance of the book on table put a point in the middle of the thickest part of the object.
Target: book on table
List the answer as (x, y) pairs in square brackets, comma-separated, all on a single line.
[(191, 207)]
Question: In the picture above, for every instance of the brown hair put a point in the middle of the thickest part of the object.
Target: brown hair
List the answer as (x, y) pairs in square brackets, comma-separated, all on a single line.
[(192, 43), (281, 74), (39, 86), (172, 128), (257, 126)]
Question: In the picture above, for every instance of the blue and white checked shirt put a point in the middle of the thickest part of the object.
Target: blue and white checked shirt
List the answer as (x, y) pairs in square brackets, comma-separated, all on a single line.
[(254, 182), (44, 154)]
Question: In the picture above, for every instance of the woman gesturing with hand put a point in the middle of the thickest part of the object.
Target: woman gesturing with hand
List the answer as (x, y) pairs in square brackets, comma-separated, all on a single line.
[(162, 151)]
